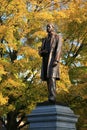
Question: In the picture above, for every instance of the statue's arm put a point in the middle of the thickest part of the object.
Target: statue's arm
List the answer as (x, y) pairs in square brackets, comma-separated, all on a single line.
[(58, 48), (42, 51)]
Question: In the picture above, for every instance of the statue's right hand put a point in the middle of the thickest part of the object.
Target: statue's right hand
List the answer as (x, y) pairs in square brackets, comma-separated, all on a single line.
[(39, 52), (43, 52)]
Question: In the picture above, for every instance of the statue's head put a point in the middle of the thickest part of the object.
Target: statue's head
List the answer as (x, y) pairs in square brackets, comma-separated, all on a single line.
[(50, 28)]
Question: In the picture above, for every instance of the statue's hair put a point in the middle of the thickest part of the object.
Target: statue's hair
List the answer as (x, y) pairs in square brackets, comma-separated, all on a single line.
[(51, 24)]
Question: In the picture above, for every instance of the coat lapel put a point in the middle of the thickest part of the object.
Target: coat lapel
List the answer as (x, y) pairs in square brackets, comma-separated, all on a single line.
[(52, 42)]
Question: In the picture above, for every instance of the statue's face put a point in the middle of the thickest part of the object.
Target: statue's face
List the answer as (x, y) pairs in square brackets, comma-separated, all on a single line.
[(49, 28)]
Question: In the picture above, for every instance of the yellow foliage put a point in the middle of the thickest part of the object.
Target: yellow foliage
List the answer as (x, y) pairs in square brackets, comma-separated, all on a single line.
[(12, 82), (2, 72), (40, 34), (3, 29), (64, 83), (11, 107), (9, 34), (15, 81), (3, 100), (3, 4), (61, 14), (45, 15), (17, 6), (77, 11), (28, 51)]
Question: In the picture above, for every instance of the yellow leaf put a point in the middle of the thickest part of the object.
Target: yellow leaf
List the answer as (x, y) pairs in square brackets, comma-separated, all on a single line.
[(3, 100)]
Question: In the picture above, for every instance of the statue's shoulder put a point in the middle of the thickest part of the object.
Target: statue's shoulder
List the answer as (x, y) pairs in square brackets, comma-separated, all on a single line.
[(58, 35)]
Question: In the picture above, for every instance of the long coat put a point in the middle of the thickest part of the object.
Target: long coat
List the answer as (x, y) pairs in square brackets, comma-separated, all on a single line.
[(53, 47)]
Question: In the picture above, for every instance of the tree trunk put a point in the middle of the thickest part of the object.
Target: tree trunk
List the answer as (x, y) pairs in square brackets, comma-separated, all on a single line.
[(11, 121)]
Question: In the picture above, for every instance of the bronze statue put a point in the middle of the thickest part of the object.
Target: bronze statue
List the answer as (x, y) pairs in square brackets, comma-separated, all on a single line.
[(50, 52)]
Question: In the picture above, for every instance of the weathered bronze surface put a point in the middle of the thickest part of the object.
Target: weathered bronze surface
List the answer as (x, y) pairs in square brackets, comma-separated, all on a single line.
[(50, 52)]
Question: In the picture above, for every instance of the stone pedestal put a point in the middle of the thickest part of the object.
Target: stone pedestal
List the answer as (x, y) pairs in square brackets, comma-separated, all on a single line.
[(52, 117)]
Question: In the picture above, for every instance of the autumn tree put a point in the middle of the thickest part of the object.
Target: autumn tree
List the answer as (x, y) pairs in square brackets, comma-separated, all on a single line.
[(74, 28), (21, 24), (16, 60)]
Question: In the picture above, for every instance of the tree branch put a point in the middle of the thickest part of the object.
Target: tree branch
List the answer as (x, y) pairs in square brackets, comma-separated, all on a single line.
[(23, 125), (23, 116)]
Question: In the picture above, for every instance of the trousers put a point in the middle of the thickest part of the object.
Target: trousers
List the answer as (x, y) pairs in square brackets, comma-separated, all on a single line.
[(51, 84)]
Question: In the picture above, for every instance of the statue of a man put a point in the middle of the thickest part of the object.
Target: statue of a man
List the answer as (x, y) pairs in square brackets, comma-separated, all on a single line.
[(50, 52)]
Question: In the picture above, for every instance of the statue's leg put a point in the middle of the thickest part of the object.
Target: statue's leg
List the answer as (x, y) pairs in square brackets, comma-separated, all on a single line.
[(51, 83)]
